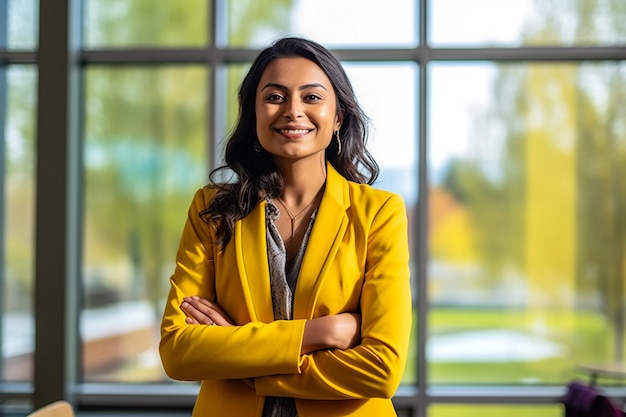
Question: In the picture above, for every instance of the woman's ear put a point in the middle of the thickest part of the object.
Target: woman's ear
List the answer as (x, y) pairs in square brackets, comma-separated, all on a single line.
[(339, 119)]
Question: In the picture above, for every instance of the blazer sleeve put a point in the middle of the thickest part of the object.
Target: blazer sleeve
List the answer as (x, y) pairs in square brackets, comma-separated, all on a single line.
[(375, 367), (198, 352)]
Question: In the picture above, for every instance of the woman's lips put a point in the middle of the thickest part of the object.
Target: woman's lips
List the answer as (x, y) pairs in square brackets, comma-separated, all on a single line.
[(294, 133)]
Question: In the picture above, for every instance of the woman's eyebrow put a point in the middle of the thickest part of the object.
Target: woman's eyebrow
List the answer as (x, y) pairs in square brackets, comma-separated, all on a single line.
[(302, 87), (312, 85), (274, 85)]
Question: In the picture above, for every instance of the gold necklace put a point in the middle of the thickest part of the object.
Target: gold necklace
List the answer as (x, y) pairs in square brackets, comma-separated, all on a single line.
[(292, 217)]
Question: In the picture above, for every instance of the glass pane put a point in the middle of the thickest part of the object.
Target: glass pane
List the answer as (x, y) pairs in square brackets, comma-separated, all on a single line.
[(527, 237), (394, 129), (526, 22), (145, 154), (472, 410), (23, 24), (383, 22), (388, 95), (17, 139), (132, 23)]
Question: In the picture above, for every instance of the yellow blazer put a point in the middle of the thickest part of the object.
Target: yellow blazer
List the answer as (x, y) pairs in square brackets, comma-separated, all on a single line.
[(357, 260)]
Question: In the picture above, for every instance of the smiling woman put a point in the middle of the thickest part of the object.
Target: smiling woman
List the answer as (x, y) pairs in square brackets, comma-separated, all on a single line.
[(279, 315), (499, 123)]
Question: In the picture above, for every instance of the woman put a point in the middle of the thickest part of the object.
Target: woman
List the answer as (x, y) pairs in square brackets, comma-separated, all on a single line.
[(291, 292)]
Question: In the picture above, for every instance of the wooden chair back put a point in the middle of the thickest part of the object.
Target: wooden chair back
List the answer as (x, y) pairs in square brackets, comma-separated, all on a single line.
[(55, 409)]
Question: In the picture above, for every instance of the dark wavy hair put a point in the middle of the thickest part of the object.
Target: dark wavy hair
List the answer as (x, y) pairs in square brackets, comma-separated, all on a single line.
[(256, 176)]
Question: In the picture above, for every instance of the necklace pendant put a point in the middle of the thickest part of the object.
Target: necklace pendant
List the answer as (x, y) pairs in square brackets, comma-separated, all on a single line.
[(293, 227)]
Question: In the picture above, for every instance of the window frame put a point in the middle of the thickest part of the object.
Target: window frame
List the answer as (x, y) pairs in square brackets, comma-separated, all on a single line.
[(61, 63)]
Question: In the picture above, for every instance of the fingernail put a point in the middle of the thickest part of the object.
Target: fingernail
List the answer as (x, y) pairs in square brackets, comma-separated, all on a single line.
[(184, 305)]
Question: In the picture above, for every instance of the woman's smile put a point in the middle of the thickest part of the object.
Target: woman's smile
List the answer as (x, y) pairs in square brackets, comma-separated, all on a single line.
[(293, 133)]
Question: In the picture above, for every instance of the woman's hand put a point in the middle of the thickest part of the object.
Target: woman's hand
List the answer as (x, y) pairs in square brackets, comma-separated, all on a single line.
[(340, 331), (202, 311)]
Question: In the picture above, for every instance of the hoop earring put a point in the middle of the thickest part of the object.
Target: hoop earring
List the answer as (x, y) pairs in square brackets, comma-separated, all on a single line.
[(336, 135), (257, 147)]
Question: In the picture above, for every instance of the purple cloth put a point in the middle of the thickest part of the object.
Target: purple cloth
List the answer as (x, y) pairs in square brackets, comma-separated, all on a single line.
[(585, 401)]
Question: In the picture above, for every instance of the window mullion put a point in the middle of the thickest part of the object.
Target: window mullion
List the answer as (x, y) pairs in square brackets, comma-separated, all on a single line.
[(56, 277)]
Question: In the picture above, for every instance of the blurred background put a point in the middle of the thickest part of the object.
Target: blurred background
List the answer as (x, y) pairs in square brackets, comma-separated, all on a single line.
[(501, 123)]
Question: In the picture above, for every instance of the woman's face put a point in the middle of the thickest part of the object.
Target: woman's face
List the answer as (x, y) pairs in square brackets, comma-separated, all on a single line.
[(296, 111)]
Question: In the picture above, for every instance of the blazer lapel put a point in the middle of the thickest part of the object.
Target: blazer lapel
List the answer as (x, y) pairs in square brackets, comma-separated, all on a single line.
[(329, 228), (252, 263)]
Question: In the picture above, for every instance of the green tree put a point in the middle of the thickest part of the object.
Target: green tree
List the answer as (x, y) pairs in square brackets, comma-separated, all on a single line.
[(586, 99)]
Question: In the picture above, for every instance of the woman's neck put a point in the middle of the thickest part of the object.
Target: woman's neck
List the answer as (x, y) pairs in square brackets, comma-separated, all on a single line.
[(302, 181)]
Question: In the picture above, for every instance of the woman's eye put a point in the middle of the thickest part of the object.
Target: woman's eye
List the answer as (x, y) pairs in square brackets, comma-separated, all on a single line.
[(274, 97), (312, 97)]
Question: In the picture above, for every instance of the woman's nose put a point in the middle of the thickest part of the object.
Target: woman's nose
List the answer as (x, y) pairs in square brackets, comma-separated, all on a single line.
[(293, 109)]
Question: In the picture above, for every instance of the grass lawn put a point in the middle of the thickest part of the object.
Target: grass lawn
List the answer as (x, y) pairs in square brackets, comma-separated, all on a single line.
[(581, 337)]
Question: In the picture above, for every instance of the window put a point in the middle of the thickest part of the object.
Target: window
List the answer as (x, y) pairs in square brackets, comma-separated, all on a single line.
[(526, 262), (501, 126), (138, 23), (138, 174), (18, 103), (18, 221)]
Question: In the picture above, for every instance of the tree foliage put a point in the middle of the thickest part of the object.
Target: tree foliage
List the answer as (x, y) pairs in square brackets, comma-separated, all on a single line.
[(564, 122)]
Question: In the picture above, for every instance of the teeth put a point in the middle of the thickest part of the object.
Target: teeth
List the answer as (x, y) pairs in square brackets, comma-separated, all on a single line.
[(294, 132)]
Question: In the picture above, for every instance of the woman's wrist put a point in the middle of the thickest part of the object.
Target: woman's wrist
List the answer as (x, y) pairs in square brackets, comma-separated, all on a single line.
[(341, 331), (318, 334)]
